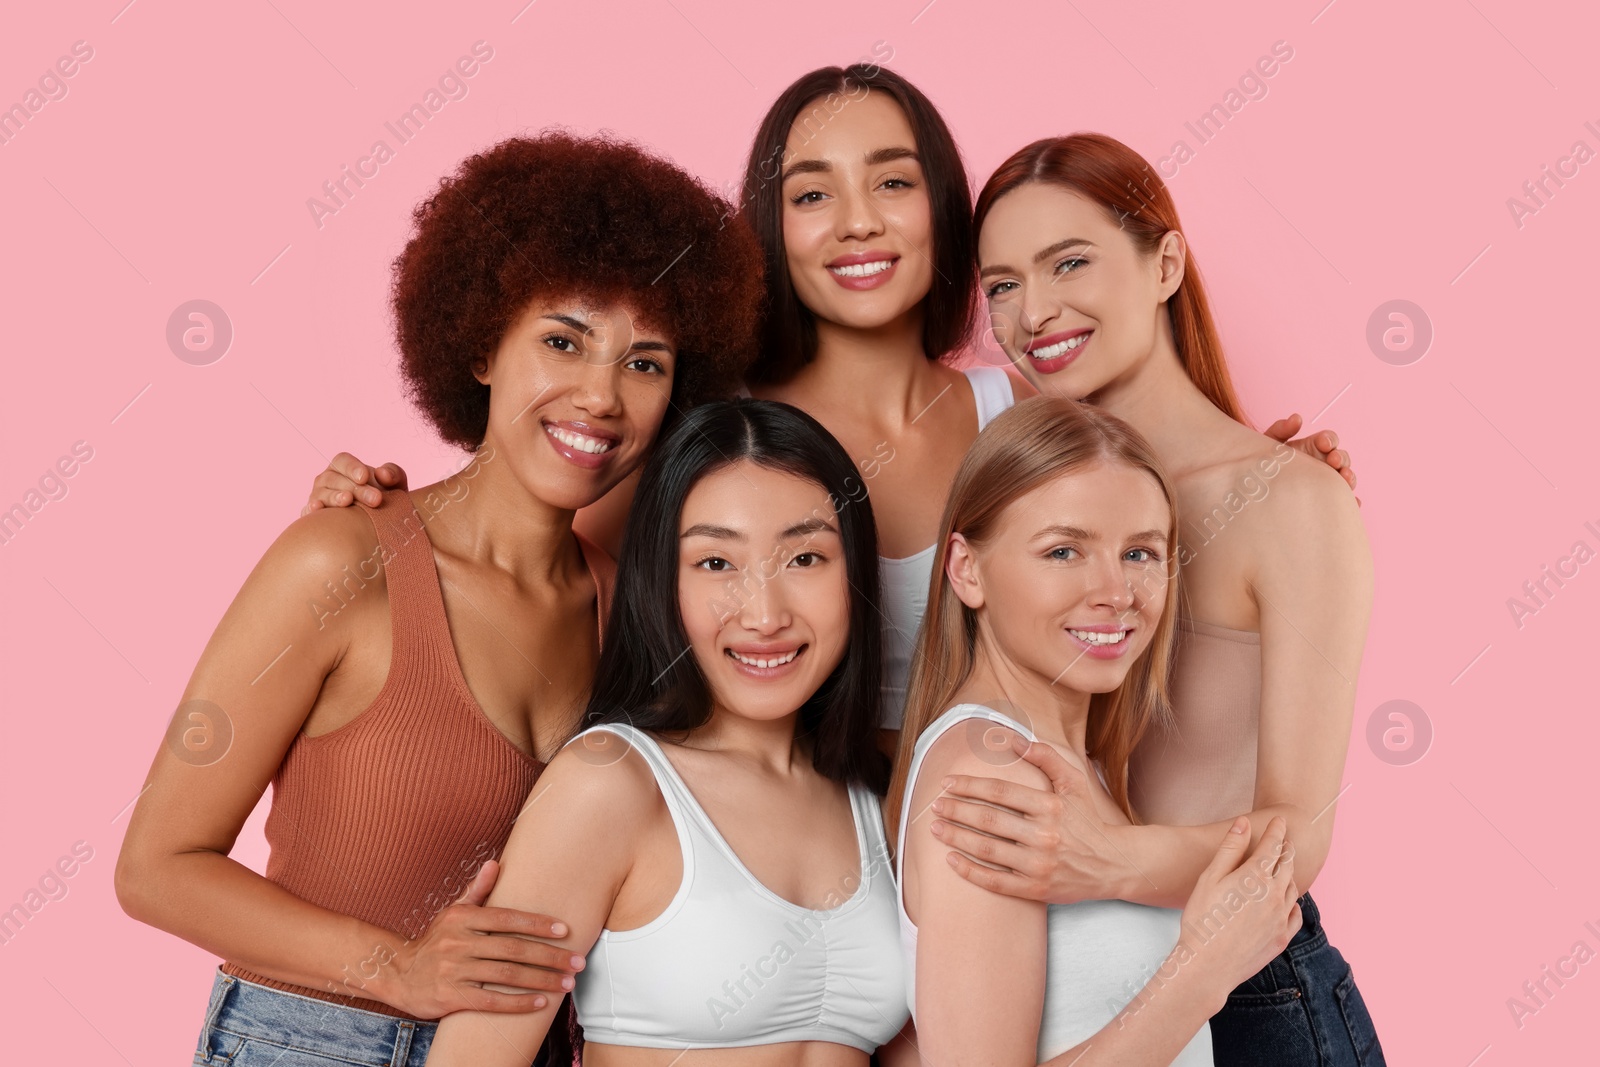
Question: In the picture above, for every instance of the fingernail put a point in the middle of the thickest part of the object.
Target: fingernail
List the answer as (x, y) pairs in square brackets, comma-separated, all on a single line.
[(539, 1002), (938, 805), (577, 963), (948, 783), (566, 983), (937, 827), (559, 929)]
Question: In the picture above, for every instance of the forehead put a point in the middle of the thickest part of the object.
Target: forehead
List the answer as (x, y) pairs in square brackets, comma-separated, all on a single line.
[(847, 127), (1036, 215), (1108, 497), (757, 501), (609, 317)]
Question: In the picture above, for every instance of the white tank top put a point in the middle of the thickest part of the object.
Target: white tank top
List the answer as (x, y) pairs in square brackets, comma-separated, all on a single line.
[(903, 583), (1101, 953), (729, 963)]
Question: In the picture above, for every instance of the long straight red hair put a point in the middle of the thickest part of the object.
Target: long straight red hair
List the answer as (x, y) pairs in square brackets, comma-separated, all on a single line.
[(1105, 170)]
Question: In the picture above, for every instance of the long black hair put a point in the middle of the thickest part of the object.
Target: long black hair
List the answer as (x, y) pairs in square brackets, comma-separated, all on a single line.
[(644, 677), (789, 329)]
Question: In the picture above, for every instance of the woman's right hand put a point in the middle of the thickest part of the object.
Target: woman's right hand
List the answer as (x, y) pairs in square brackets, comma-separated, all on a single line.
[(347, 478), (1244, 909), (468, 945)]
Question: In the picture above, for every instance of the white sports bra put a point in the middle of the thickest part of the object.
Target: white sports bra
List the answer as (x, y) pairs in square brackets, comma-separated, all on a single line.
[(903, 583), (730, 963), (1100, 953)]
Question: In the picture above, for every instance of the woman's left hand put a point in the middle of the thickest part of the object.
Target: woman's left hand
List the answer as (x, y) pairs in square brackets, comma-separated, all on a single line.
[(1048, 846), (1322, 446)]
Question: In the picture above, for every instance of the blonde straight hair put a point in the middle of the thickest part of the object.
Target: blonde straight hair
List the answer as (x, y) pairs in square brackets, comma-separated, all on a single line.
[(1040, 439)]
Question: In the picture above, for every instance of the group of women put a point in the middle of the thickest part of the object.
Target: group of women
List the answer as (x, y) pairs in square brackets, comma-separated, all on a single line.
[(887, 736)]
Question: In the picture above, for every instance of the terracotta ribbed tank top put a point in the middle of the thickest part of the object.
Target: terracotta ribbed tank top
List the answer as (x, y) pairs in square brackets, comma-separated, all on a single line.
[(1203, 769), (384, 818)]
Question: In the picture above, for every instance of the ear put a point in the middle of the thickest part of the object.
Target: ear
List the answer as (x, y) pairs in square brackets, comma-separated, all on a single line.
[(480, 370), (1172, 256), (961, 570)]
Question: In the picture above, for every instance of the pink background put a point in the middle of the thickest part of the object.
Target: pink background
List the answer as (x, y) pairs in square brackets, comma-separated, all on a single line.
[(1377, 167)]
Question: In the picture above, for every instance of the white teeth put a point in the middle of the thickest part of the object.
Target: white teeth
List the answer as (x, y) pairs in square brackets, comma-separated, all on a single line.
[(764, 661), (1093, 637), (863, 270), (582, 442), (1059, 348)]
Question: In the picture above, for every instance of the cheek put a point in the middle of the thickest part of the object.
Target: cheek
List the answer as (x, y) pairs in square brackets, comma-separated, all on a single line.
[(645, 400)]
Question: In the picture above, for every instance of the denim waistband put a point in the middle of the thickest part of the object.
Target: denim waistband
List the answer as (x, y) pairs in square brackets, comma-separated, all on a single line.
[(289, 1020), (1311, 936)]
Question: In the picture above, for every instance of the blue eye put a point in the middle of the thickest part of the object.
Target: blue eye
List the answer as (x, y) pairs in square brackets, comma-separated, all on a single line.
[(1071, 263), (1060, 553), (997, 288), (1147, 555)]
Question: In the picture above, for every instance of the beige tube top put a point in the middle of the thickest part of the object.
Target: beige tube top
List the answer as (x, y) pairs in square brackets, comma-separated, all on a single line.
[(1203, 769)]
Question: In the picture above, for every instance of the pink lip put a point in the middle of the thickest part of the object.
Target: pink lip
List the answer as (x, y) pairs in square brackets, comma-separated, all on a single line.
[(1051, 366), (577, 457), (1115, 651), (871, 281), (765, 652)]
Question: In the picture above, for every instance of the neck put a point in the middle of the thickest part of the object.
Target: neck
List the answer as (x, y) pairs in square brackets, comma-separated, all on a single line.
[(767, 743), (1157, 397), (486, 515), (882, 369), (1055, 712)]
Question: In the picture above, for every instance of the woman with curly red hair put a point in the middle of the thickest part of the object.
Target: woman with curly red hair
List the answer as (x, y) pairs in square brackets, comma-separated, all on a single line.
[(560, 300)]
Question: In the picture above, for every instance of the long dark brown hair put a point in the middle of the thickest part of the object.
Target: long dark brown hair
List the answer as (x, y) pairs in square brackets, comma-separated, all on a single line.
[(789, 330)]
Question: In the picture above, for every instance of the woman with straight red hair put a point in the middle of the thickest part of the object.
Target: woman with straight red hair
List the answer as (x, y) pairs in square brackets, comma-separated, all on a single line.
[(1095, 296)]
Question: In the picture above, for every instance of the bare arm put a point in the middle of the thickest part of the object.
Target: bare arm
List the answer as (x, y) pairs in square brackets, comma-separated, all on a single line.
[(571, 851), (1312, 582), (261, 673), (981, 956)]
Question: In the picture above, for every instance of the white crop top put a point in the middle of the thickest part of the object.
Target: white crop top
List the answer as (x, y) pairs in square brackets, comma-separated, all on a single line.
[(730, 963), (1100, 953), (903, 583)]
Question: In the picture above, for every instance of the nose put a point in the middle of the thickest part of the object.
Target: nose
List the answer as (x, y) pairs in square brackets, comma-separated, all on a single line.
[(763, 609), (1037, 307), (1111, 586), (597, 392), (857, 216)]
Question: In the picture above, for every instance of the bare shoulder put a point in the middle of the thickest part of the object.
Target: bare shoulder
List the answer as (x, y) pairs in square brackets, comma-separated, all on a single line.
[(599, 780), (977, 747), (323, 542)]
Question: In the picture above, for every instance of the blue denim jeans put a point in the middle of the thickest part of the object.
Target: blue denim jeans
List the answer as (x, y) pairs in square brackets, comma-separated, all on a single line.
[(1302, 1010), (250, 1025)]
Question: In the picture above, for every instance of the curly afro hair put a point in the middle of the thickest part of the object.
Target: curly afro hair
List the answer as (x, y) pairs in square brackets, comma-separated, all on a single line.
[(558, 214)]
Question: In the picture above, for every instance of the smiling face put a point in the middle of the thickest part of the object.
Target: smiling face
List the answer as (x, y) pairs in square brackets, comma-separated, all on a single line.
[(857, 225), (577, 393), (1071, 585), (1072, 299), (762, 588)]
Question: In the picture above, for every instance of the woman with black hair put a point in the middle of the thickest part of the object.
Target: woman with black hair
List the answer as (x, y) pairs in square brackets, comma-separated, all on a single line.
[(714, 839)]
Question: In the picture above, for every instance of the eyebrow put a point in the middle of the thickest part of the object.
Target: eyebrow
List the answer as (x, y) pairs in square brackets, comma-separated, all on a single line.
[(585, 328), (876, 157), (1078, 532), (726, 533), (1040, 256)]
